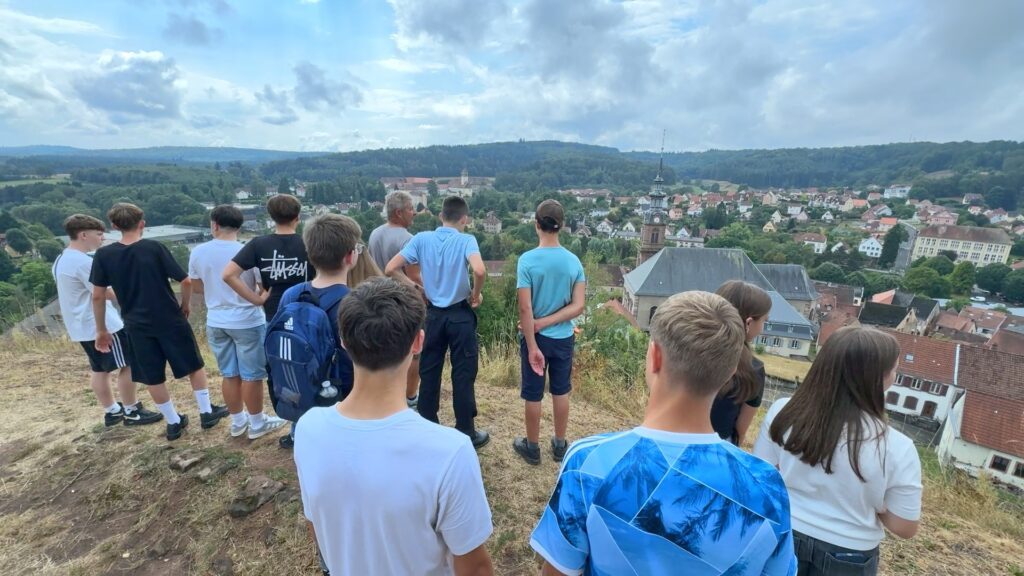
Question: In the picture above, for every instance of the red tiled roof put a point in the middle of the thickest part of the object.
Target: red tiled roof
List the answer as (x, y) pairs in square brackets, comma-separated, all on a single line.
[(928, 358), (991, 372), (969, 233), (835, 322), (983, 318), (884, 297), (952, 321), (616, 307), (994, 405), (1008, 341)]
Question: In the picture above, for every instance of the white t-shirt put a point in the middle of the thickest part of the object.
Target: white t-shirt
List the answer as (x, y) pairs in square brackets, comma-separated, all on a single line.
[(74, 292), (398, 495), (224, 307), (839, 508)]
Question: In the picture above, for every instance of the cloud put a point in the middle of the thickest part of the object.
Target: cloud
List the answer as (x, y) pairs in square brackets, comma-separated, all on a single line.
[(219, 6), (132, 86), (188, 29), (314, 91), (277, 103), (460, 23)]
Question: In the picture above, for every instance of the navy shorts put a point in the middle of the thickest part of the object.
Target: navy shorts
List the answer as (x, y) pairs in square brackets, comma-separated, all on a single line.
[(557, 363), (151, 353)]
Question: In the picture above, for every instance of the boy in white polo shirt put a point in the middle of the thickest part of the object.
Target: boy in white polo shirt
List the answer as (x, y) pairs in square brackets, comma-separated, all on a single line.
[(235, 328), (74, 292)]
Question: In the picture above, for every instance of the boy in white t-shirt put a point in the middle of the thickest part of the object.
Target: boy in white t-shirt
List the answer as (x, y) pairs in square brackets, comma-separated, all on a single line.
[(235, 328), (74, 293), (386, 491)]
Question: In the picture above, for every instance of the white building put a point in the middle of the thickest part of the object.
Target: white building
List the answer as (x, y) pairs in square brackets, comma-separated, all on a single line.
[(896, 191), (925, 377), (870, 247)]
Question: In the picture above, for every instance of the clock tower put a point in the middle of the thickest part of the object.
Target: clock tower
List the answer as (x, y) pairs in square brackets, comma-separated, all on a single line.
[(652, 234)]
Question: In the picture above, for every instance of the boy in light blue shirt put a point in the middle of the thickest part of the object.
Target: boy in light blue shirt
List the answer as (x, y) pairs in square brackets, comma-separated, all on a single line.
[(551, 289)]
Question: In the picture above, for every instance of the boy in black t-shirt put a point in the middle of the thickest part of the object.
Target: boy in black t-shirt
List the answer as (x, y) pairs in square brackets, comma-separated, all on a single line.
[(280, 257), (155, 323)]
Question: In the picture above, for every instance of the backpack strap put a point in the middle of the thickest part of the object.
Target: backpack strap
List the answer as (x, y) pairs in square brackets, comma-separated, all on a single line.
[(331, 301)]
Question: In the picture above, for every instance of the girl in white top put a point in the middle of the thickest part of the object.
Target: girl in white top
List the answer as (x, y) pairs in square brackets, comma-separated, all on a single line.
[(848, 473)]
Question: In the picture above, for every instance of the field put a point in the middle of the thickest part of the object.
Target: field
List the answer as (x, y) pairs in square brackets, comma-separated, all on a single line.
[(79, 499), (785, 368), (7, 183)]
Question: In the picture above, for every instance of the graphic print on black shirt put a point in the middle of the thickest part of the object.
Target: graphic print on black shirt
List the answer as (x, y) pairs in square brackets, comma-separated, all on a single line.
[(281, 260), (139, 273)]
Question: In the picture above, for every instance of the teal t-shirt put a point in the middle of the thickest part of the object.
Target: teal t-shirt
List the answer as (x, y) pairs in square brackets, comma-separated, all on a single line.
[(550, 274)]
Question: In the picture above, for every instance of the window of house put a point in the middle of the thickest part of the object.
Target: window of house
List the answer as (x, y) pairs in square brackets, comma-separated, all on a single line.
[(892, 398), (937, 388), (794, 344), (899, 380), (910, 403), (916, 384), (999, 463), (1018, 470)]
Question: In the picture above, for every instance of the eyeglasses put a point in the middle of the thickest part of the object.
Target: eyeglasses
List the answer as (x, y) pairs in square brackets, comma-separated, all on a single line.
[(359, 249)]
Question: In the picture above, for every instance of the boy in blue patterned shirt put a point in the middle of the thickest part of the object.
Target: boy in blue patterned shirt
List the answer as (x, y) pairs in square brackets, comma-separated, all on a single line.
[(670, 496)]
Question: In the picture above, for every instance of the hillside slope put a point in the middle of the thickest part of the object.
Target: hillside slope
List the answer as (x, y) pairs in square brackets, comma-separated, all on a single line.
[(76, 498)]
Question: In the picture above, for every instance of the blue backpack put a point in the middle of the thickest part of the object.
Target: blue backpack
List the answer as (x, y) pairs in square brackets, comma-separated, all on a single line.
[(302, 352)]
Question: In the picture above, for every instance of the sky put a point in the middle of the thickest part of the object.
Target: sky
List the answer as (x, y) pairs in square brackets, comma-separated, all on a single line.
[(339, 75)]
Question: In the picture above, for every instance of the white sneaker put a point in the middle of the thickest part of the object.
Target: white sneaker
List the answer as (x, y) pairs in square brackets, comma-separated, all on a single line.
[(270, 423), (237, 431)]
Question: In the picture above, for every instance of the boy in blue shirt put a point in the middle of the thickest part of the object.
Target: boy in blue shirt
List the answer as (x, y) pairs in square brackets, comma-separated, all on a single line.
[(670, 496), (551, 288), (443, 256), (332, 246)]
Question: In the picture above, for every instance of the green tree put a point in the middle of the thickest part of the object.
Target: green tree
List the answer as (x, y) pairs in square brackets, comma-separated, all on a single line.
[(829, 272), (49, 249), (36, 280), (999, 197), (957, 304), (7, 267), (891, 246), (19, 241), (734, 235), (961, 280), (951, 254), (990, 278), (921, 280), (181, 254), (283, 187), (940, 264), (432, 188), (14, 304), (1013, 286)]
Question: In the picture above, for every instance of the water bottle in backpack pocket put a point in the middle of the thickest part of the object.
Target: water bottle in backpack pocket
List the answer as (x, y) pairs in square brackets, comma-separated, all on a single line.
[(301, 350)]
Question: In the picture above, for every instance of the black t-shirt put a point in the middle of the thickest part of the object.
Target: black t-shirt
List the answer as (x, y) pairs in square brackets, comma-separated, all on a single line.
[(281, 259), (139, 273), (726, 411)]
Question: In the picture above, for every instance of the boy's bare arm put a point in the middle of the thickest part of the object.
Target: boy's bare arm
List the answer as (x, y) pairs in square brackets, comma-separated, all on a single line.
[(232, 276), (571, 310)]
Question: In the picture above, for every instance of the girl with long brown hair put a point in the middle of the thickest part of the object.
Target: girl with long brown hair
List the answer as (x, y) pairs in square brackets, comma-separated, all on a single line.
[(848, 473), (736, 404)]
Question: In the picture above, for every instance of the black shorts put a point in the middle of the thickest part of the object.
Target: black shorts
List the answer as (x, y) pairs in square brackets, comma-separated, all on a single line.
[(151, 353), (119, 356), (558, 354)]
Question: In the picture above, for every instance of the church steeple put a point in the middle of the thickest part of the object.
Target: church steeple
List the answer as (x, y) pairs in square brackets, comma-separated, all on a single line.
[(652, 234)]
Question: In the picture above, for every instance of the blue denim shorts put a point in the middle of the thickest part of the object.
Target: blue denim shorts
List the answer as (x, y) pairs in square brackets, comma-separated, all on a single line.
[(239, 351)]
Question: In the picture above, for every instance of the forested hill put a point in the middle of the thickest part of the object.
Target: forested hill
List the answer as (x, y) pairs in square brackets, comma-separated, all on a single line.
[(851, 165), (66, 157)]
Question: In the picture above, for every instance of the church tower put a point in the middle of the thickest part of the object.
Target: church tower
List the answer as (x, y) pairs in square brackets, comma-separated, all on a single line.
[(464, 179), (652, 234)]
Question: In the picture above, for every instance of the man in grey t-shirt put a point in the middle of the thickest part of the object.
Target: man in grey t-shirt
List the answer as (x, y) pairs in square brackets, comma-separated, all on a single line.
[(387, 240)]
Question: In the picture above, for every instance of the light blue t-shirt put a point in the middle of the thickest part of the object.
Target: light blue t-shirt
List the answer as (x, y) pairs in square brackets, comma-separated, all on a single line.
[(443, 256), (652, 502), (550, 273)]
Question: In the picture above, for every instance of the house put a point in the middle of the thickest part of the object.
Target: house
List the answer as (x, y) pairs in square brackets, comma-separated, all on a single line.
[(876, 213), (975, 210), (874, 197), (786, 332), (770, 199), (605, 227), (794, 209), (942, 218), (984, 322), (694, 210), (829, 326), (996, 216), (886, 316), (984, 431), (242, 194), (828, 217), (926, 311), (792, 282), (583, 231), (887, 223), (674, 270), (629, 227), (802, 218), (972, 198), (776, 218), (816, 241), (676, 214), (870, 247), (495, 268), (924, 377), (492, 224), (980, 246), (854, 204), (838, 299), (769, 226), (896, 191), (1009, 340)]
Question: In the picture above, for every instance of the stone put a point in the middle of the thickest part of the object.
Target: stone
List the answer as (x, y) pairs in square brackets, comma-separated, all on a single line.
[(269, 536), (182, 461), (222, 566), (211, 471), (258, 490)]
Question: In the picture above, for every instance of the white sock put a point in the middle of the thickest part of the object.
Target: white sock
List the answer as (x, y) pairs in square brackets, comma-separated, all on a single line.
[(113, 408), (129, 408), (257, 420), (170, 414), (238, 419), (203, 399)]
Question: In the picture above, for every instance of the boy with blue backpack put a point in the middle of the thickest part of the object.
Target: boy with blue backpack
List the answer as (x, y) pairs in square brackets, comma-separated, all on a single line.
[(308, 366)]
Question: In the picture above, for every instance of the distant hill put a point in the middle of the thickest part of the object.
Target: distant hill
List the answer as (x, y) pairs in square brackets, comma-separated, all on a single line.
[(159, 154)]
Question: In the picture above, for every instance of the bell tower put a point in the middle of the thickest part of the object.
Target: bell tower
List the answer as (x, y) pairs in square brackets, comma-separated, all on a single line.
[(652, 234)]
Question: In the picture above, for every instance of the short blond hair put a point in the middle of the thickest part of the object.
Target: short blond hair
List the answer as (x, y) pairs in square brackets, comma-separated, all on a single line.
[(329, 238), (701, 336)]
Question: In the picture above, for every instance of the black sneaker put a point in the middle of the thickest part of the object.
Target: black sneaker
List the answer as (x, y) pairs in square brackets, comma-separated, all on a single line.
[(286, 442), (139, 416), (114, 418), (522, 447), (210, 419), (480, 438), (558, 450), (174, 430)]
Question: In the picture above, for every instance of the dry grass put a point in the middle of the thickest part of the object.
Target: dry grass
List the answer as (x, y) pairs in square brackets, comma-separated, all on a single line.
[(123, 511), (785, 368)]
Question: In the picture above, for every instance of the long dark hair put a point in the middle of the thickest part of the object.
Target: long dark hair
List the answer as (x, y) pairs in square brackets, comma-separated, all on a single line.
[(751, 302), (845, 384)]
